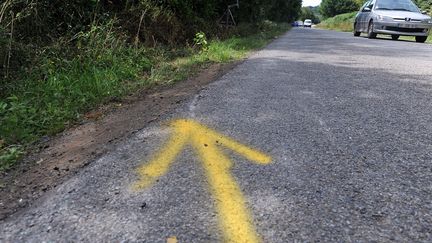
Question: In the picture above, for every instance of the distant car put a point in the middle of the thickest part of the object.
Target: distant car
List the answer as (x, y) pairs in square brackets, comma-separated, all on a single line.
[(392, 17), (307, 23), (295, 24), (299, 23)]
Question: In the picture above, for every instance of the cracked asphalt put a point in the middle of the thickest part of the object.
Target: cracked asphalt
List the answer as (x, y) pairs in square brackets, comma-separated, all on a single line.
[(346, 120)]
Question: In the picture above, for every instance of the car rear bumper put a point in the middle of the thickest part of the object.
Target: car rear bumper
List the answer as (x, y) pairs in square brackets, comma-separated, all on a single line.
[(408, 29)]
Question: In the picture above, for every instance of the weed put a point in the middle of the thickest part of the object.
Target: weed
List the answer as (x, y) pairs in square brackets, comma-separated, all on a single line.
[(8, 156), (342, 22), (63, 86), (200, 40)]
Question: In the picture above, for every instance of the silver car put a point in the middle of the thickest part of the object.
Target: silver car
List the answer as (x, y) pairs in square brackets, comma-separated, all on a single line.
[(392, 17)]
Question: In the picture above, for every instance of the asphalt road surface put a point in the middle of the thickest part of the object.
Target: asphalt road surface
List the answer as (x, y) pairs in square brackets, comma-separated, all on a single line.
[(338, 132)]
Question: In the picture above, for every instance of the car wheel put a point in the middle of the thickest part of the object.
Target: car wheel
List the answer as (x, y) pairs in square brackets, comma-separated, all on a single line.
[(395, 37), (421, 39), (356, 33), (371, 33)]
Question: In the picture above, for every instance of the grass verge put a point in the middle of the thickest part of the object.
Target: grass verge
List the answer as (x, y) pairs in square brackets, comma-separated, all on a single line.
[(63, 86), (341, 22)]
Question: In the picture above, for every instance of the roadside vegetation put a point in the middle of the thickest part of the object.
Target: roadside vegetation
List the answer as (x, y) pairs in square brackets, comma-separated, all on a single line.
[(331, 8), (78, 54), (311, 13), (341, 22), (425, 5)]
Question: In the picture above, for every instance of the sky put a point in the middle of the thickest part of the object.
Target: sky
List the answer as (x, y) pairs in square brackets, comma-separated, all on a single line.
[(311, 2)]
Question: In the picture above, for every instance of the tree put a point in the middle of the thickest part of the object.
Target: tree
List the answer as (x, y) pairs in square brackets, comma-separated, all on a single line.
[(255, 11), (425, 5), (283, 10), (307, 13), (330, 8), (360, 2)]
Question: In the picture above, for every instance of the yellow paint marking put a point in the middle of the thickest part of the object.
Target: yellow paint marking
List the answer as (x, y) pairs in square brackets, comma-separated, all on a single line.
[(234, 217), (172, 239)]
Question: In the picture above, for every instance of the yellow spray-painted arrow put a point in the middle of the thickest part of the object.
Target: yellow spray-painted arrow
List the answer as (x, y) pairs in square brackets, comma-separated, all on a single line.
[(234, 218)]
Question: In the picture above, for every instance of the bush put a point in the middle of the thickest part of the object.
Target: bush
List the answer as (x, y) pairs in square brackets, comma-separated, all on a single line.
[(200, 40), (4, 47), (8, 156), (341, 22), (330, 8), (59, 89), (68, 56)]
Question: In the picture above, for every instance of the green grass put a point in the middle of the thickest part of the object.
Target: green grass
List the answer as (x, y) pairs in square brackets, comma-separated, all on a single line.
[(342, 22), (61, 87)]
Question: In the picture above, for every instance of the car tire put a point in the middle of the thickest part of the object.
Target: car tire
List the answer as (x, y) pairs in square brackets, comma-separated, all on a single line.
[(371, 33), (395, 37), (421, 39), (356, 33)]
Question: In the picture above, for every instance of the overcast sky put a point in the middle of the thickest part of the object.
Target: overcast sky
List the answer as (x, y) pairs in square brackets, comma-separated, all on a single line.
[(311, 2)]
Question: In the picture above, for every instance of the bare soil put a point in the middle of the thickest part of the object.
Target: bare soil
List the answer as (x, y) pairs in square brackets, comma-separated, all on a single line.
[(57, 158)]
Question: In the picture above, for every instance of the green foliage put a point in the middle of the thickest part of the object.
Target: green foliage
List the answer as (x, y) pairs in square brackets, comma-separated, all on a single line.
[(8, 156), (63, 86), (341, 22), (33, 20), (152, 22), (330, 8), (307, 13), (59, 89), (425, 5), (59, 59), (200, 40), (4, 50), (360, 2), (283, 10)]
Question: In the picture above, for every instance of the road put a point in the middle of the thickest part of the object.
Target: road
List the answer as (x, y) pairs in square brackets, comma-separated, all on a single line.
[(320, 136)]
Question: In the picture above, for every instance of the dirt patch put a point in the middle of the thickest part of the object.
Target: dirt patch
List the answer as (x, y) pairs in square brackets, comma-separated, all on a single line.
[(58, 158)]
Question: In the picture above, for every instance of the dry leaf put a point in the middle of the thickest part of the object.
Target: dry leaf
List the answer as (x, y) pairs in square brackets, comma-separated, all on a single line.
[(172, 239), (93, 115)]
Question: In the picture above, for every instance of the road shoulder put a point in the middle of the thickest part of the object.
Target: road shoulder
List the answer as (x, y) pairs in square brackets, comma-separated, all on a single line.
[(58, 158)]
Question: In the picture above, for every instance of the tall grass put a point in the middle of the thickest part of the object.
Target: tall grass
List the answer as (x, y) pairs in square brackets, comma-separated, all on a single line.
[(59, 89), (342, 22), (64, 85)]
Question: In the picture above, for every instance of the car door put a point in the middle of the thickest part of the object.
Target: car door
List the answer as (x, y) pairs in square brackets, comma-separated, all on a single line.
[(368, 14), (361, 17)]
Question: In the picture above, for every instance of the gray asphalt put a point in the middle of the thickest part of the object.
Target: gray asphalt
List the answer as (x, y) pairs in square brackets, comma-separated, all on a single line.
[(347, 121)]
